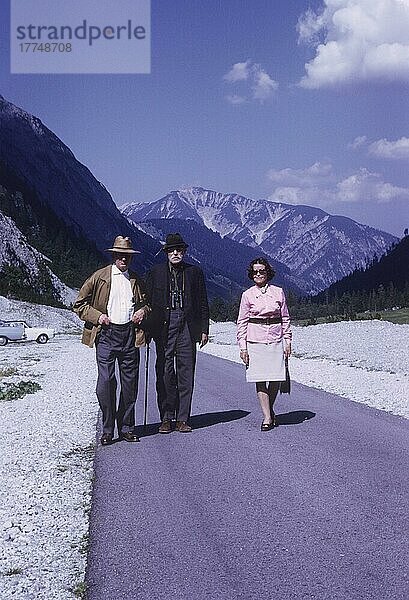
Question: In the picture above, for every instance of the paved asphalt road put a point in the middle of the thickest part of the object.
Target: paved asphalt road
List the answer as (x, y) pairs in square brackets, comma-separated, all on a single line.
[(316, 508)]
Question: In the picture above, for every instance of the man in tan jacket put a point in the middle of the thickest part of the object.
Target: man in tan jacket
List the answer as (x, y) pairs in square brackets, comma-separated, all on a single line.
[(113, 304)]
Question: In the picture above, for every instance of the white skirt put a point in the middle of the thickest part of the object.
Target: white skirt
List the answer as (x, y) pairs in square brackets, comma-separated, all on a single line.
[(266, 362)]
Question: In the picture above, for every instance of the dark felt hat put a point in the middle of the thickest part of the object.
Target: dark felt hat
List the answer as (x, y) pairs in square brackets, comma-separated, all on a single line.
[(173, 240)]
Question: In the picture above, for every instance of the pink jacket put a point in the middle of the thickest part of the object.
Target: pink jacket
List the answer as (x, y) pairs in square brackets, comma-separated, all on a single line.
[(256, 304)]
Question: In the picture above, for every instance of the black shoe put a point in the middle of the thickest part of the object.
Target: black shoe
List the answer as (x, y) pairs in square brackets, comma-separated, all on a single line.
[(128, 436), (106, 439)]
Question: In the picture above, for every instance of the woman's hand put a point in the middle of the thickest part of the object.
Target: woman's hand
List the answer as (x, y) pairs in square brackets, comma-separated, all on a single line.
[(287, 349), (244, 355)]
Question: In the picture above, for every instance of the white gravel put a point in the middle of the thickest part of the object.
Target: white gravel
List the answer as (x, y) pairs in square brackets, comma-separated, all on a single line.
[(47, 441), (46, 456), (37, 315), (364, 361)]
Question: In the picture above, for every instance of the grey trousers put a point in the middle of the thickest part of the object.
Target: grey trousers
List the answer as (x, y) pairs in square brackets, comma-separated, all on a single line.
[(116, 344), (175, 369)]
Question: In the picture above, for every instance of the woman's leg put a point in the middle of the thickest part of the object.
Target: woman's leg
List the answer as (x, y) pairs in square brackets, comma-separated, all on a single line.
[(264, 399), (273, 388)]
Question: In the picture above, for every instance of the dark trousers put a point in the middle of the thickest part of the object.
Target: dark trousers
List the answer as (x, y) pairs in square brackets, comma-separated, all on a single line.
[(116, 344), (175, 369)]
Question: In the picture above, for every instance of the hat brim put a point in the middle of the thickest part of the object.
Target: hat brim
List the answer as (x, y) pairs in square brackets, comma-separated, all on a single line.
[(122, 251), (165, 248)]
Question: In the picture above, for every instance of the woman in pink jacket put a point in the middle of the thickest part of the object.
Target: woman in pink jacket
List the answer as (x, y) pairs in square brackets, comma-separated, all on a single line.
[(264, 336)]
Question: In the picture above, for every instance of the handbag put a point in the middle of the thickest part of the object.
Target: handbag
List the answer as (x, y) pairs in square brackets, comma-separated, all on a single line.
[(285, 386)]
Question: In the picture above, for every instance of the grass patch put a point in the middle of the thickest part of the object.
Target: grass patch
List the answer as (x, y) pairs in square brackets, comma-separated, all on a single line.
[(62, 468), (7, 371), (75, 458), (84, 544), (80, 590), (83, 451), (14, 391), (400, 316), (13, 571)]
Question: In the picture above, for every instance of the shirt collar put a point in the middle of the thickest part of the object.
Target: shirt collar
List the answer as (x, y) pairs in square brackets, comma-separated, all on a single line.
[(116, 271)]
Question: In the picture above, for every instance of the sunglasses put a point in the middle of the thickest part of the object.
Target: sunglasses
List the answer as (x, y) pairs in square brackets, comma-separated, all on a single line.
[(175, 249), (259, 271)]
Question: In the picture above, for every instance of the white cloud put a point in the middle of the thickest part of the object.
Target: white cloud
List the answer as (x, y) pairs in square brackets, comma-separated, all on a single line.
[(356, 40), (239, 72), (311, 186), (309, 26), (384, 149), (319, 186), (235, 99), (393, 150), (317, 175), (358, 142), (365, 186), (262, 86)]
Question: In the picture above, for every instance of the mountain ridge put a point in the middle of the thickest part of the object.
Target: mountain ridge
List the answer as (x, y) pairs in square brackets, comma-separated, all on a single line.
[(33, 155), (390, 269), (219, 257), (317, 247), (61, 209)]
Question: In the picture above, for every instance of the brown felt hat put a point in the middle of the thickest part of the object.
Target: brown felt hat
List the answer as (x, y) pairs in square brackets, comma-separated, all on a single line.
[(123, 245)]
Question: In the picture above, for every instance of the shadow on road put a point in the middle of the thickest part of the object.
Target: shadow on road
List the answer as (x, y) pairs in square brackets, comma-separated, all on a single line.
[(294, 417), (198, 421), (209, 419)]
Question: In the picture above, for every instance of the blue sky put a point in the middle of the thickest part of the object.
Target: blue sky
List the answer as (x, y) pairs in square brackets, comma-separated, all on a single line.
[(303, 102)]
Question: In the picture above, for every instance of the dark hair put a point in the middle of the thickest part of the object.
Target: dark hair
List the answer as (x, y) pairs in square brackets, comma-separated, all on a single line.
[(261, 261)]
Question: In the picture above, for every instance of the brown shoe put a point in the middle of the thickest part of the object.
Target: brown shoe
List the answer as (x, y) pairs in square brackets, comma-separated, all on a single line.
[(165, 427), (183, 427), (128, 436)]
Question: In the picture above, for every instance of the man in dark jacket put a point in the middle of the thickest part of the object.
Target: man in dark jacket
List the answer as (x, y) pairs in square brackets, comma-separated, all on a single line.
[(177, 295)]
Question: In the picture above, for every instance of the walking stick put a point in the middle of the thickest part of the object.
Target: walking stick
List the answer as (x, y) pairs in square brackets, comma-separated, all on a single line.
[(145, 405)]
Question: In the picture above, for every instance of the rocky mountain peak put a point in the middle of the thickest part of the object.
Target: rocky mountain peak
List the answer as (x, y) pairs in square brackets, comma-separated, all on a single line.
[(316, 246)]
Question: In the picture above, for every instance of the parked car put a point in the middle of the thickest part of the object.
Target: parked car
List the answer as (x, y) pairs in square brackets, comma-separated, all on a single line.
[(18, 331)]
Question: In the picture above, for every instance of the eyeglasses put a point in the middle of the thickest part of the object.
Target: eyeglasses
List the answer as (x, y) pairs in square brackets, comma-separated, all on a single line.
[(175, 249), (259, 271), (119, 256)]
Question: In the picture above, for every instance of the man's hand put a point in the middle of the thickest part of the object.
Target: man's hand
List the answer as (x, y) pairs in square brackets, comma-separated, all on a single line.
[(204, 339), (287, 349), (244, 355), (104, 320), (138, 316)]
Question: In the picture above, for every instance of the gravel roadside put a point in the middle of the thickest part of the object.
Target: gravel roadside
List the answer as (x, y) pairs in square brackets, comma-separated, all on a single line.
[(46, 466)]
